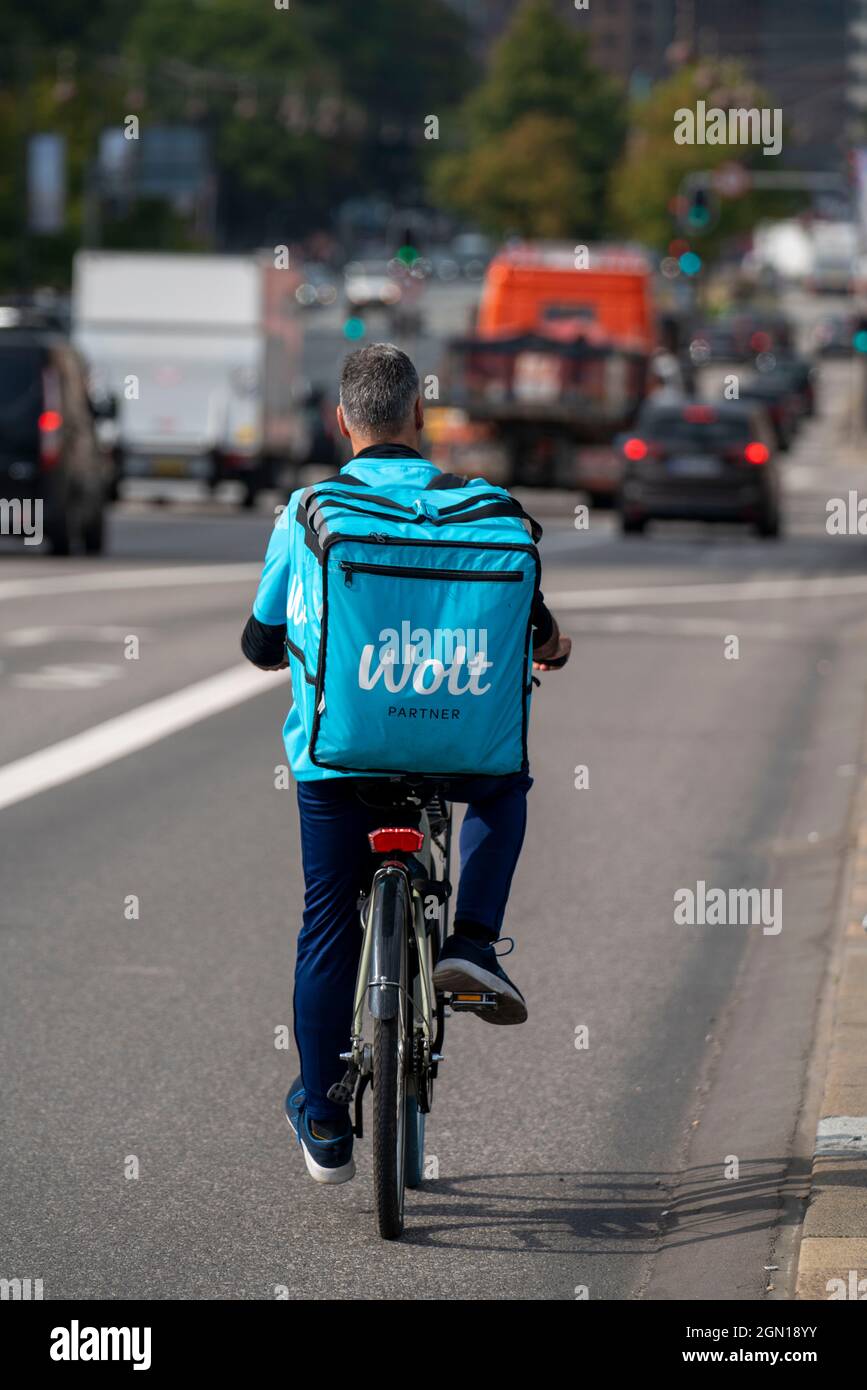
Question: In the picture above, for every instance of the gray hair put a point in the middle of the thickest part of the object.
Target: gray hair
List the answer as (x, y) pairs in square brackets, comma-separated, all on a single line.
[(378, 388)]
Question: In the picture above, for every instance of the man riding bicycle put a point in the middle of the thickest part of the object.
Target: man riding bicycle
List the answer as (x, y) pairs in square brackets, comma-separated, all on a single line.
[(381, 414)]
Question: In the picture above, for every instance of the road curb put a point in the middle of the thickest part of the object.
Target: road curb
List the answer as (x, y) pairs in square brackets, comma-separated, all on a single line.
[(832, 1261)]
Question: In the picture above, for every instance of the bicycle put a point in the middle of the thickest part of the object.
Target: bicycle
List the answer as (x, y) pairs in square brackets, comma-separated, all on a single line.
[(404, 918)]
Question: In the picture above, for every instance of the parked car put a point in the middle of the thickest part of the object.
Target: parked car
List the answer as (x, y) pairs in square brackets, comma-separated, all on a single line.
[(702, 463), (49, 450)]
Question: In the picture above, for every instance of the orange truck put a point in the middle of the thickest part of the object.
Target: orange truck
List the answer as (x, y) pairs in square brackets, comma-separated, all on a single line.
[(558, 364)]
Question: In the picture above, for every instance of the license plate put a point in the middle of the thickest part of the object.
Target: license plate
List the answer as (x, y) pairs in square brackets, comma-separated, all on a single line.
[(169, 467), (700, 466), (537, 377)]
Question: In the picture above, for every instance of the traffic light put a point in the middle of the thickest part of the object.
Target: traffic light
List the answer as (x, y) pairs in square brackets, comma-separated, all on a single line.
[(699, 212)]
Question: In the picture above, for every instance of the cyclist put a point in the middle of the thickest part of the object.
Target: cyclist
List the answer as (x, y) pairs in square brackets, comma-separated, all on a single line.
[(380, 413)]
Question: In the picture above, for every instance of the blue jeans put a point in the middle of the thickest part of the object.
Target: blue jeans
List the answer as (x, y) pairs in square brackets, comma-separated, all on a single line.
[(338, 866)]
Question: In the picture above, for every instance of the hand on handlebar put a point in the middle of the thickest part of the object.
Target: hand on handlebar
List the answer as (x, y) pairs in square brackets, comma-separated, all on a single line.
[(553, 657)]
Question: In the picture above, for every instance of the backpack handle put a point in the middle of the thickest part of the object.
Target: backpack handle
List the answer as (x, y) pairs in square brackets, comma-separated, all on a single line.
[(504, 507)]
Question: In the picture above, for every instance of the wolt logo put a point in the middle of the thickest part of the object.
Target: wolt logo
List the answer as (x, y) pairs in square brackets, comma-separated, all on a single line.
[(424, 659), (295, 605)]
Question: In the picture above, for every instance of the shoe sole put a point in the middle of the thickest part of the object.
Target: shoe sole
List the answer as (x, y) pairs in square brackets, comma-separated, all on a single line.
[(327, 1176), (459, 977)]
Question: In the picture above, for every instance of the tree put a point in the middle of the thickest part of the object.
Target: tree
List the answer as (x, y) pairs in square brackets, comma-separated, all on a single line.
[(648, 177), (526, 181), (560, 118), (306, 106)]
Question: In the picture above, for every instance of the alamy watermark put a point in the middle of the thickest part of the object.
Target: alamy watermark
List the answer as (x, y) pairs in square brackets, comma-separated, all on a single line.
[(22, 518), (738, 125), (846, 516), (734, 907), (20, 1290)]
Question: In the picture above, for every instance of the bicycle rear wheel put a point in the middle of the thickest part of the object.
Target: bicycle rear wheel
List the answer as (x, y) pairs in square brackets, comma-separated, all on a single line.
[(391, 1057)]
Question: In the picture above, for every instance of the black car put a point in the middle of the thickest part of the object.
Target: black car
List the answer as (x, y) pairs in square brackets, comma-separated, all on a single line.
[(49, 451), (702, 463), (797, 376), (775, 392), (738, 337)]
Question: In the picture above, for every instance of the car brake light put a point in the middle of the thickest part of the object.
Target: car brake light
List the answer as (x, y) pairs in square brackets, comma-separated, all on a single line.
[(635, 449), (699, 414), (236, 460), (50, 423), (395, 837), (756, 453)]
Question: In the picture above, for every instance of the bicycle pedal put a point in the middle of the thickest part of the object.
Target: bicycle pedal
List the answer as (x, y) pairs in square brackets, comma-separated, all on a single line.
[(341, 1092), (467, 1001)]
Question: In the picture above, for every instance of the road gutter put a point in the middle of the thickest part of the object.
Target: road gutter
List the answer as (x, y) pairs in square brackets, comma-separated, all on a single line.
[(832, 1256)]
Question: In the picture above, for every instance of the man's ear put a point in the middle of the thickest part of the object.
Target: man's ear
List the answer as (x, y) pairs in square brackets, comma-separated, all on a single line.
[(341, 423), (419, 414)]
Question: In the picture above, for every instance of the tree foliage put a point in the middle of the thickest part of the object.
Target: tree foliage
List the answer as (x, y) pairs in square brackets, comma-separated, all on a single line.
[(648, 177), (560, 119), (304, 106)]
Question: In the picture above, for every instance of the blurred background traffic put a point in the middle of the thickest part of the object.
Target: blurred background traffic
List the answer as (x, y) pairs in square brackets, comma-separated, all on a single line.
[(204, 208)]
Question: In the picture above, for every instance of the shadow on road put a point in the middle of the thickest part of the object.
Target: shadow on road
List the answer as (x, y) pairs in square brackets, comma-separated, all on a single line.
[(600, 1213)]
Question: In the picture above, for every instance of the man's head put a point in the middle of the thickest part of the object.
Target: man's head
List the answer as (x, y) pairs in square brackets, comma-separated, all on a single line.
[(379, 398)]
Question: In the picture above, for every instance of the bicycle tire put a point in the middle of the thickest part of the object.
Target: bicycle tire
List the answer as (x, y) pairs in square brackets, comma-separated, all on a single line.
[(390, 1079)]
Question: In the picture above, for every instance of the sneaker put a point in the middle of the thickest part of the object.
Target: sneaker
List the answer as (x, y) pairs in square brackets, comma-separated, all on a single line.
[(466, 965), (328, 1160)]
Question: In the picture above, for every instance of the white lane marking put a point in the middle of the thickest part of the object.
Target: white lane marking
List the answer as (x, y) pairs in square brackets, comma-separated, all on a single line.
[(84, 675), (652, 624), (41, 636), (752, 590), (127, 733), (177, 575), (563, 541), (839, 1133)]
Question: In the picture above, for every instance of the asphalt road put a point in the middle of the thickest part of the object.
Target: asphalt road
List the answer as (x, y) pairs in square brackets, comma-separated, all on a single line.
[(153, 1040)]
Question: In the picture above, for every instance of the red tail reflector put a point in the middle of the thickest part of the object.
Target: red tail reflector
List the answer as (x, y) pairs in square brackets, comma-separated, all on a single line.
[(756, 453), (395, 837), (635, 449), (50, 420)]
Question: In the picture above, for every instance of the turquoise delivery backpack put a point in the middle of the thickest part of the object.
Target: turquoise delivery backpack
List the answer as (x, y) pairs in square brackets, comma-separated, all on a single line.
[(409, 625)]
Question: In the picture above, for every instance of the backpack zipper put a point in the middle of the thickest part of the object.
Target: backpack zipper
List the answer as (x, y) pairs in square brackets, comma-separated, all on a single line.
[(351, 567)]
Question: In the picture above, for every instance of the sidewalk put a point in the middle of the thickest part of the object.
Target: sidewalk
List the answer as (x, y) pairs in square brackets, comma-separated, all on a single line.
[(834, 1238)]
